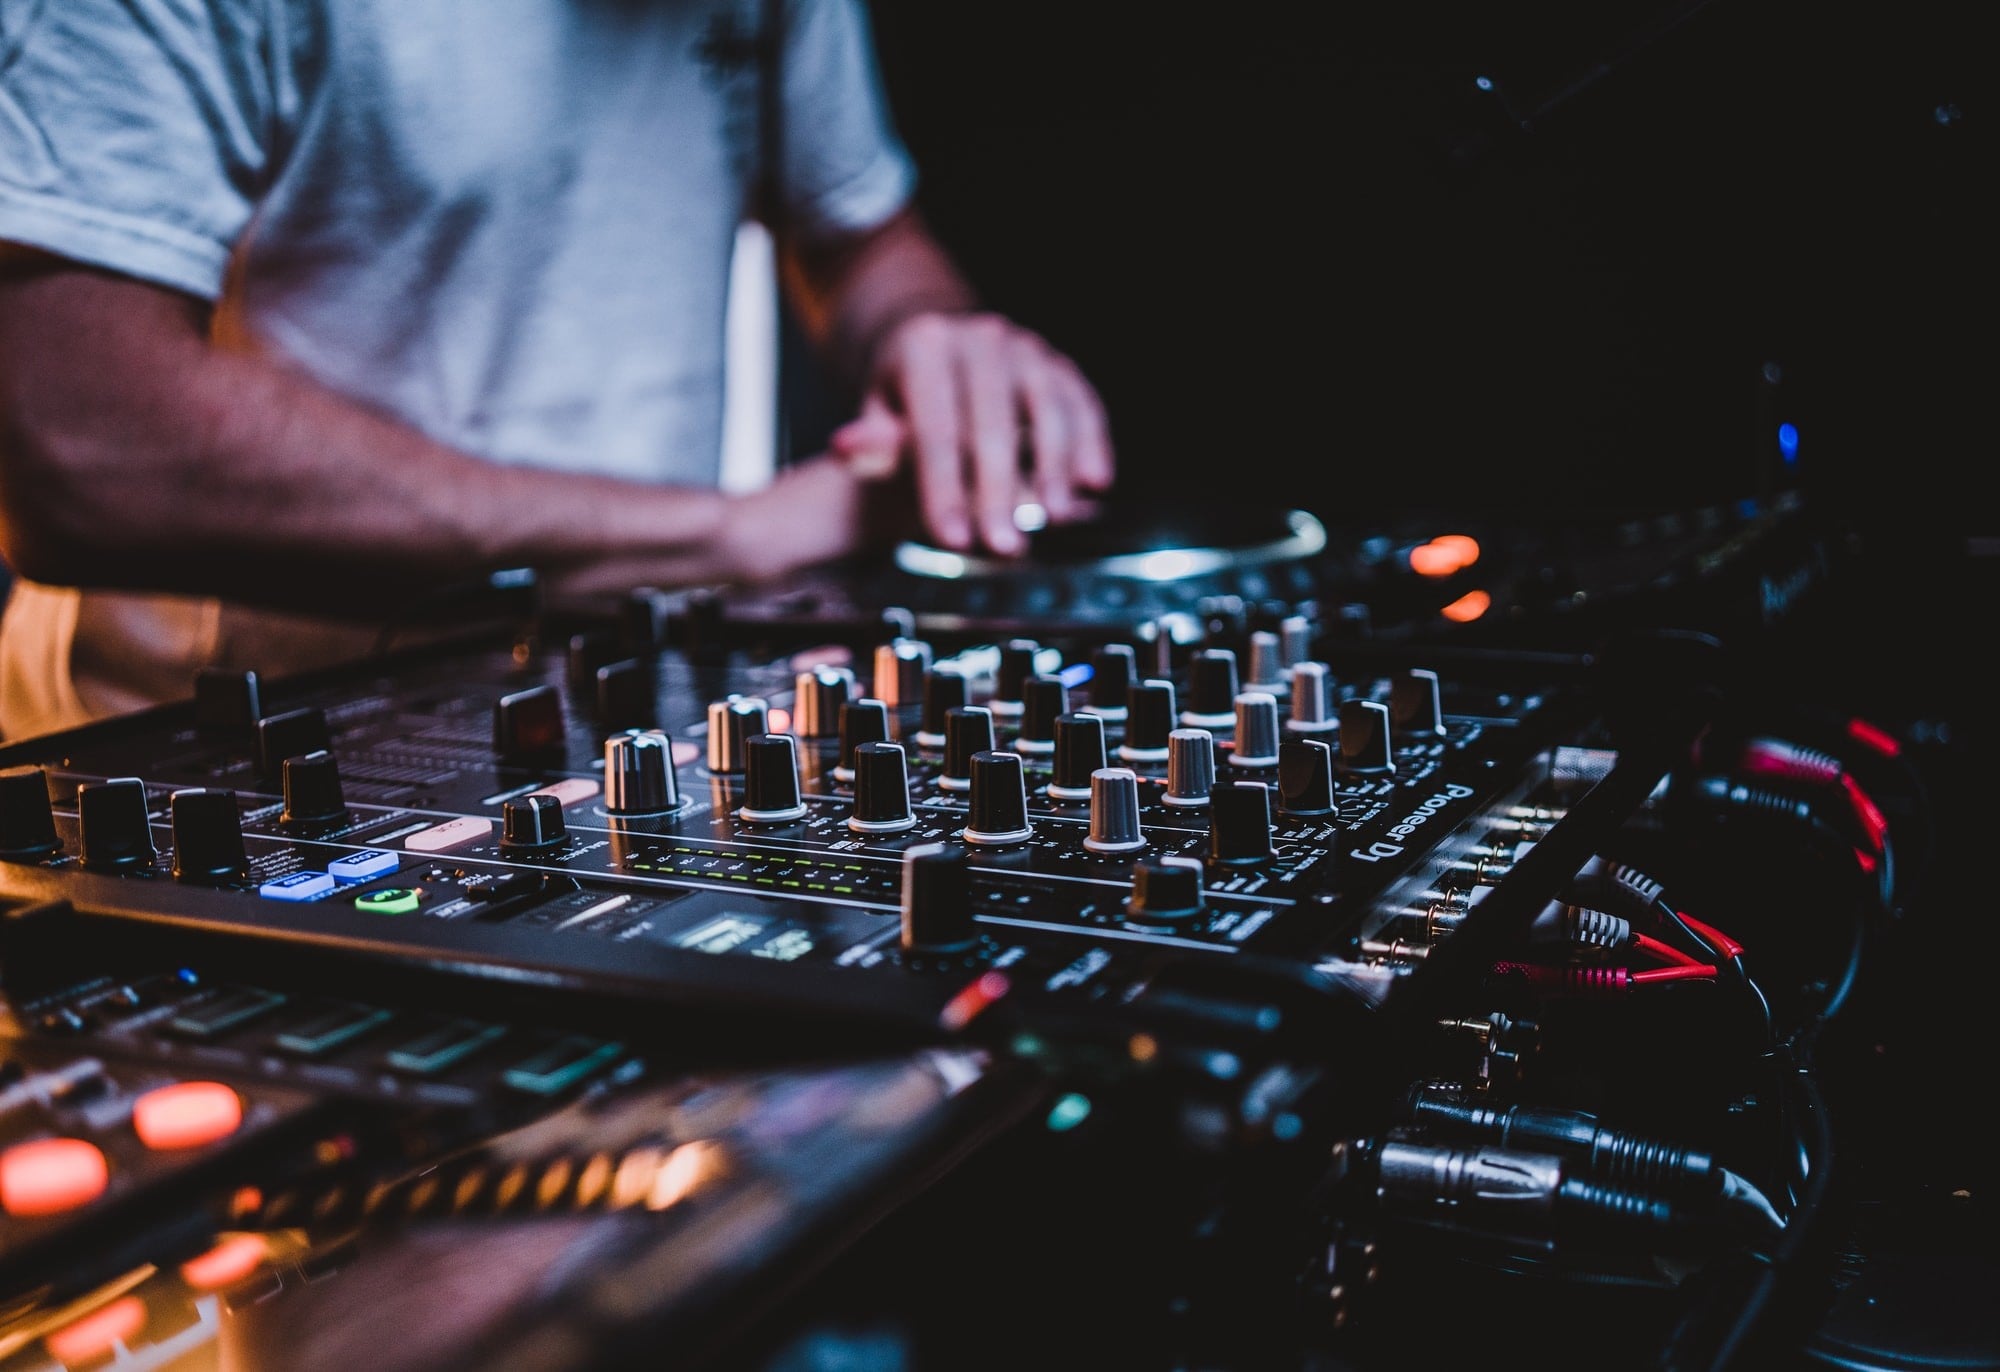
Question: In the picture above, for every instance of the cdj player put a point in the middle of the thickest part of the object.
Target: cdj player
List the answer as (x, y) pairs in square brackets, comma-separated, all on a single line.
[(1271, 924)]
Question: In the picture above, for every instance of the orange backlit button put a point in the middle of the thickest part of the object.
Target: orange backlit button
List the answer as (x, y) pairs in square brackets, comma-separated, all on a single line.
[(1467, 607), (98, 1333), (187, 1114), (229, 1261), (49, 1176), (1461, 546)]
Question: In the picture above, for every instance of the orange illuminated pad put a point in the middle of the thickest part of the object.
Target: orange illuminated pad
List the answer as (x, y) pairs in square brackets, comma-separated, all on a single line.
[(449, 834), (187, 1114), (98, 1333), (229, 1261), (49, 1176)]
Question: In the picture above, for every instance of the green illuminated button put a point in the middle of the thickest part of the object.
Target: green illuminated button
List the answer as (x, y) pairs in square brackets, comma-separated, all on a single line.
[(329, 1028), (561, 1065), (390, 900), (442, 1045)]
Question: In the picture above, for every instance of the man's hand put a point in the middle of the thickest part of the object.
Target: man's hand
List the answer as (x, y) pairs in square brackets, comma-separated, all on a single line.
[(988, 417)]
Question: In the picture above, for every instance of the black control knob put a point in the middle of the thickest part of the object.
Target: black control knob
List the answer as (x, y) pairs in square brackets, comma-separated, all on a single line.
[(1305, 776), (527, 728), (1256, 730), (1312, 699), (627, 694), (817, 696), (1010, 677), (881, 790), (1190, 768), (899, 672), (771, 780), (27, 821), (937, 901), (1114, 668), (1416, 704), (998, 809), (1365, 745), (1043, 699), (968, 729), (227, 704), (1079, 752), (290, 734), (861, 721), (115, 830), (1212, 690), (1239, 824), (646, 618), (944, 691), (312, 789), (532, 824), (1165, 890), (1148, 721), (585, 654), (208, 835), (1266, 667), (1114, 811), (729, 723), (639, 775)]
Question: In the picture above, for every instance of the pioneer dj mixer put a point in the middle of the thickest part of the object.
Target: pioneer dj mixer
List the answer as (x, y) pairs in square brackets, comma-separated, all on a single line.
[(701, 939)]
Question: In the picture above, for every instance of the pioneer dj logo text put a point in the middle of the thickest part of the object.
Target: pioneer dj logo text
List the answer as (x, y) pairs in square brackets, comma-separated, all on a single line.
[(1379, 850)]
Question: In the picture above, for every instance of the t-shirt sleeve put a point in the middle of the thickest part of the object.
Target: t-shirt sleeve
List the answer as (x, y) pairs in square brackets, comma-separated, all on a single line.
[(133, 132), (844, 166)]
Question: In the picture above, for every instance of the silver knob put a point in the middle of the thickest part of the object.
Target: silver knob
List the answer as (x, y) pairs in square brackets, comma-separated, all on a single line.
[(639, 774)]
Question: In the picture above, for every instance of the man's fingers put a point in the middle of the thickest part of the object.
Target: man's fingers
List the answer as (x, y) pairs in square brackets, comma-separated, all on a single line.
[(930, 405), (871, 444), (986, 377), (1094, 465), (1049, 430)]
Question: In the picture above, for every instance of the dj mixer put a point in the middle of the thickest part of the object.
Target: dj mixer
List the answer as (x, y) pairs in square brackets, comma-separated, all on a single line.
[(643, 959)]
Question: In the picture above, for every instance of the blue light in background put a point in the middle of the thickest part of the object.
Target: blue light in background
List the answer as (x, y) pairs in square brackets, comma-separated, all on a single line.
[(1075, 674), (1788, 442)]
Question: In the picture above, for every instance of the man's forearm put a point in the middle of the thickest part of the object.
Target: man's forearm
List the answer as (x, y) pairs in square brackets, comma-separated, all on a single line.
[(138, 455), (853, 293)]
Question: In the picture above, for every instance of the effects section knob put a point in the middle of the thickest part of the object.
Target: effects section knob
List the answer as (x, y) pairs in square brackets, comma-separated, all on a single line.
[(208, 835), (771, 780), (1010, 677), (113, 823), (944, 691), (1312, 700), (227, 704), (1239, 824), (1365, 745), (1305, 777), (1148, 722), (1266, 666), (999, 803), (1256, 730), (1043, 700), (313, 794), (1165, 890), (817, 696), (1295, 640), (627, 694), (729, 723), (1113, 670), (27, 820), (639, 777), (532, 824), (1190, 768), (881, 790), (899, 671), (937, 901), (968, 729), (292, 733), (1079, 752), (587, 652), (527, 727), (1114, 811), (1416, 704), (1212, 690), (861, 721)]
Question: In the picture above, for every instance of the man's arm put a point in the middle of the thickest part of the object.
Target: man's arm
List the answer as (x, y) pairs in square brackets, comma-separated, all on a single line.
[(986, 412), (134, 453)]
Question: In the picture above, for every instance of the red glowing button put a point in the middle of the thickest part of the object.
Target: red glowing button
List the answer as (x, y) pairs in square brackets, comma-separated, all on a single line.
[(229, 1261), (1467, 607), (99, 1332), (49, 1176), (187, 1114)]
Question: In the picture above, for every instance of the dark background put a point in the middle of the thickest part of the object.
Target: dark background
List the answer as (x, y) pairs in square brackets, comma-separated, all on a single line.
[(1305, 257)]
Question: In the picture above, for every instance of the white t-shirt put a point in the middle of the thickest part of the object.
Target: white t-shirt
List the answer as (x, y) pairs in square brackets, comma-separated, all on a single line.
[(508, 222)]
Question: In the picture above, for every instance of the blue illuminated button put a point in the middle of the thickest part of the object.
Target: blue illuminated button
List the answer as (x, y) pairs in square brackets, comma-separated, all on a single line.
[(369, 862), (297, 886)]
